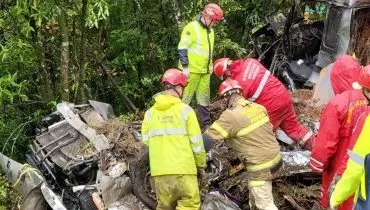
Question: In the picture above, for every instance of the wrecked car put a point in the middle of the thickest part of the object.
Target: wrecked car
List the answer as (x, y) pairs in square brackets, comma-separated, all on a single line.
[(296, 48), (83, 159), (70, 166)]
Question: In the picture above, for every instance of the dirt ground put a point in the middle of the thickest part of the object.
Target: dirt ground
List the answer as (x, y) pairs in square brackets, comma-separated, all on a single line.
[(360, 40)]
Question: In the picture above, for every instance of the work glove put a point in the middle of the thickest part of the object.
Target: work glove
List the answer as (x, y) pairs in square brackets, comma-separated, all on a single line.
[(186, 72)]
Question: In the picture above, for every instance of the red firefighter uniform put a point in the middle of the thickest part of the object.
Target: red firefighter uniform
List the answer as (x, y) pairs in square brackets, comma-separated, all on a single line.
[(265, 89), (336, 125)]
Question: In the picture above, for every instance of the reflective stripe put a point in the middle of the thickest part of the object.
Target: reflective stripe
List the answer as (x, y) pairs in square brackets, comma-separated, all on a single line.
[(168, 131), (196, 139), (265, 165), (185, 40), (220, 130), (148, 114), (198, 51), (145, 138), (202, 99), (305, 138), (198, 149), (260, 86), (184, 114), (182, 48), (256, 183), (197, 32), (316, 168), (203, 103), (252, 127), (317, 162), (356, 157)]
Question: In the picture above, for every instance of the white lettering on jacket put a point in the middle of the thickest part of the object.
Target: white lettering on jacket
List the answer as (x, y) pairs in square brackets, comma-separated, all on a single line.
[(251, 71)]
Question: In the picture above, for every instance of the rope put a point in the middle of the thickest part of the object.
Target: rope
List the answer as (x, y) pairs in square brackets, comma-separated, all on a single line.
[(26, 170)]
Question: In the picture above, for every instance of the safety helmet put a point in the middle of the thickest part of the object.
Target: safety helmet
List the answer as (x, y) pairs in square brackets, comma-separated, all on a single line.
[(363, 78), (174, 77), (220, 67), (229, 86), (213, 11)]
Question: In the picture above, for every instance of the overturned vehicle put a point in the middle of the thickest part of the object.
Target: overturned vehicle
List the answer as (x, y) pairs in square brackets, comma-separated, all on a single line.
[(83, 158), (297, 44)]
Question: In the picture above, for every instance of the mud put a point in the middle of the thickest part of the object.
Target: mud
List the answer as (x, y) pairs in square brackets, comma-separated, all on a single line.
[(360, 40), (123, 134), (306, 108)]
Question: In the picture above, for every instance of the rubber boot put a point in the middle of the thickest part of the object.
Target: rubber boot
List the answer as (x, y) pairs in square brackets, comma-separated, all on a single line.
[(204, 117)]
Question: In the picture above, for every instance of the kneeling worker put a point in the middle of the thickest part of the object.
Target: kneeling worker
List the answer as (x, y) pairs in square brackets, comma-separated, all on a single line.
[(246, 129)]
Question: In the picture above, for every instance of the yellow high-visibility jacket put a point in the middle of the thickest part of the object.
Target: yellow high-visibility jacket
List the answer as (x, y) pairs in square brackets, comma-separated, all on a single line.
[(171, 130), (195, 48), (353, 178)]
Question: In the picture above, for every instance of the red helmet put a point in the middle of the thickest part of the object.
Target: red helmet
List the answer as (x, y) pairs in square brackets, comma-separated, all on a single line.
[(227, 85), (213, 11), (174, 77), (364, 78), (220, 66)]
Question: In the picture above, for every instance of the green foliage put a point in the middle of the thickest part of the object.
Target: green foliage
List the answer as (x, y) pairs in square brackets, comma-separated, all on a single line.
[(137, 40), (97, 10), (9, 90)]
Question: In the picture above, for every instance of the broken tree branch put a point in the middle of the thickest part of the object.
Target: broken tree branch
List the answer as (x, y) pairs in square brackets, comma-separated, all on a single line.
[(292, 202), (128, 102)]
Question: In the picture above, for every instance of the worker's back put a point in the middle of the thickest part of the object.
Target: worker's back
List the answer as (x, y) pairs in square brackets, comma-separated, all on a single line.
[(251, 136)]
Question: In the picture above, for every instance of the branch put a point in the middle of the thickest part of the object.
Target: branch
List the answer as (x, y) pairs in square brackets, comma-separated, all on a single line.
[(128, 103), (292, 202)]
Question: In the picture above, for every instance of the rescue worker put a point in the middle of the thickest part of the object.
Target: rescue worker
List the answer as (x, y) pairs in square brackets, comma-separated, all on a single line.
[(263, 88), (171, 130), (246, 129), (336, 124), (353, 179), (195, 51)]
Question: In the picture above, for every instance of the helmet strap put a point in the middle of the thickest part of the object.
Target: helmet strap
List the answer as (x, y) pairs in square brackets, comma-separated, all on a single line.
[(203, 19), (228, 95), (172, 87)]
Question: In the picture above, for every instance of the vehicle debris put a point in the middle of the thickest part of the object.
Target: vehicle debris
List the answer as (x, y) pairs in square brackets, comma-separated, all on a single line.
[(102, 174)]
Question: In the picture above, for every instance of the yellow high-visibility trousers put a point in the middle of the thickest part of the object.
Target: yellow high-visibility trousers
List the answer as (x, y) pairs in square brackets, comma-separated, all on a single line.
[(198, 84), (177, 192)]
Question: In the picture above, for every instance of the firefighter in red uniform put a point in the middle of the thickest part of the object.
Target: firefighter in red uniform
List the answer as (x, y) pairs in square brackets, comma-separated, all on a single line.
[(263, 88), (329, 155)]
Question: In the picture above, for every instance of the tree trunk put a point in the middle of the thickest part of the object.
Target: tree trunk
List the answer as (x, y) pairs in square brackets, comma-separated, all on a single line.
[(64, 56), (81, 94), (177, 12), (138, 4)]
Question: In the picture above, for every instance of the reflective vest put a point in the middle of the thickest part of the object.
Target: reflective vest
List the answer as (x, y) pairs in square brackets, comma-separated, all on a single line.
[(363, 202), (198, 41), (171, 130), (353, 178)]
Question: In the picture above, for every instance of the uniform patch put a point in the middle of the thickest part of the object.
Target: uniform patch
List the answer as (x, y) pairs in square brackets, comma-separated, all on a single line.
[(188, 33)]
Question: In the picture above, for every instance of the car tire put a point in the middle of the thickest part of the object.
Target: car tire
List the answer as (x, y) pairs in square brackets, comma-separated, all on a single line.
[(139, 174)]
